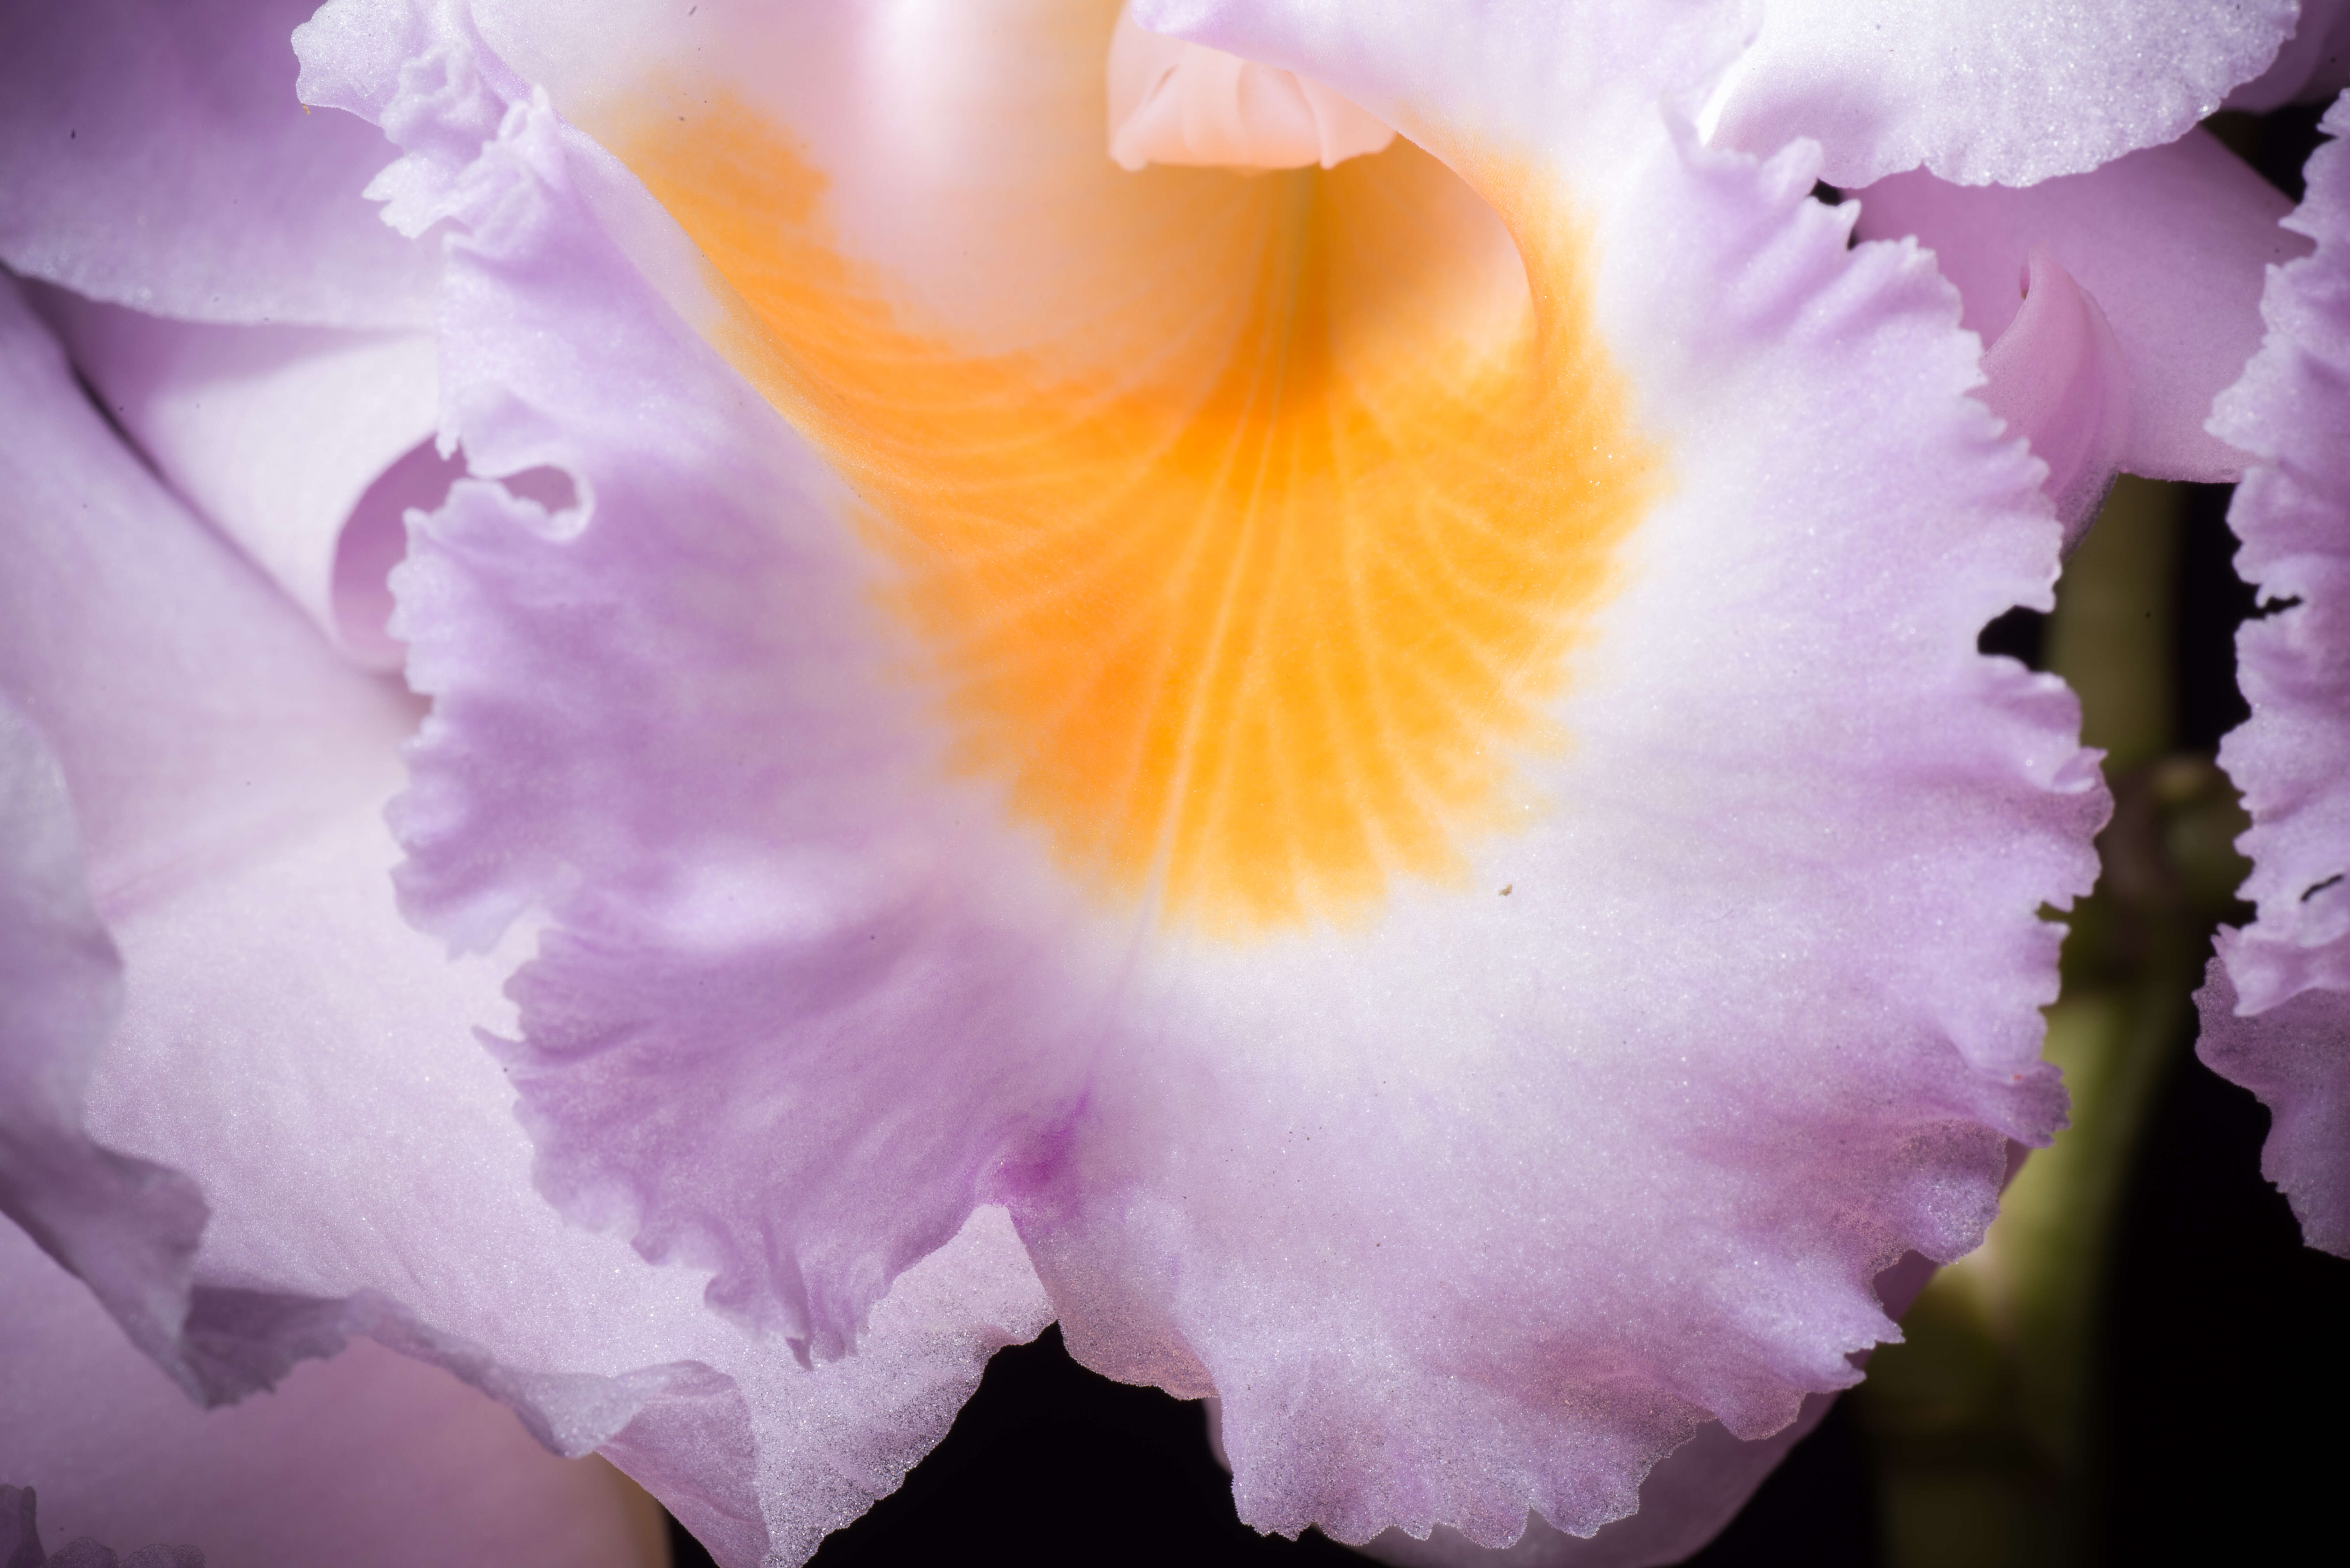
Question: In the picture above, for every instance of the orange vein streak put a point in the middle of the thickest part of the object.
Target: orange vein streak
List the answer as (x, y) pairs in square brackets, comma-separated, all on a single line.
[(1253, 620)]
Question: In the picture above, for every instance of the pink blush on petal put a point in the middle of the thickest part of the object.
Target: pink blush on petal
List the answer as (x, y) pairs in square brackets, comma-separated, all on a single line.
[(2057, 377)]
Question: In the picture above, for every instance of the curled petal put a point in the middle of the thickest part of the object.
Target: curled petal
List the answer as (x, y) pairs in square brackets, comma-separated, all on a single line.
[(2282, 1032), (2170, 244), (1507, 70), (2057, 377), (155, 156), (306, 445), (1173, 102), (312, 1064), (2014, 93)]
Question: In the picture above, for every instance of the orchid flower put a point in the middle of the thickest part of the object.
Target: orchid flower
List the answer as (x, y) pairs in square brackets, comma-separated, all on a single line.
[(1296, 683)]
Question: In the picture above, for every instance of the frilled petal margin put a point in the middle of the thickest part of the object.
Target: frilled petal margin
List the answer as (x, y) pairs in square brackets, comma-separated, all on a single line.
[(1685, 1500), (2276, 1011), (311, 1064), (2172, 243), (2313, 65), (1474, 1154), (154, 155), (2011, 93)]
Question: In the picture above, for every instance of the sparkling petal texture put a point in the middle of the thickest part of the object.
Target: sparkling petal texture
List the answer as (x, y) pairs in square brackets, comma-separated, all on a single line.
[(312, 1064), (1685, 1500), (2278, 1025), (1477, 1201), (2313, 65), (162, 775), (2171, 242), (328, 1469), (2010, 93), (154, 155)]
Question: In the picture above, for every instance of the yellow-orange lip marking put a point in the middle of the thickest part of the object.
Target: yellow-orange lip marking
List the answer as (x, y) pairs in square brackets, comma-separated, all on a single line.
[(1253, 607)]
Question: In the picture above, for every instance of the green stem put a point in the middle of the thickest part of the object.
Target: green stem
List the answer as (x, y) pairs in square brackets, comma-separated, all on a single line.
[(1981, 1419)]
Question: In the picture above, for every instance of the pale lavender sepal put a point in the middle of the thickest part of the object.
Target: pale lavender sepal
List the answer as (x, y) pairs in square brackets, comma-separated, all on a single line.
[(127, 1227), (203, 729), (328, 1469), (197, 728), (154, 155), (306, 445)]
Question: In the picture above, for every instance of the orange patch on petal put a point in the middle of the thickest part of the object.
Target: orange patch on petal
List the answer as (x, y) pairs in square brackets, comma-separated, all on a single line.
[(1253, 594)]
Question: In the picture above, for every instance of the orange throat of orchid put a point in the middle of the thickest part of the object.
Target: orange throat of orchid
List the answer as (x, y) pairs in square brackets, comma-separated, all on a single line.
[(1254, 584)]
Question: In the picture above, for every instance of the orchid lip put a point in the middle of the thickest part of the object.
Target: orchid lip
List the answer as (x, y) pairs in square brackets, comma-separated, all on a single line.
[(1253, 594), (964, 655)]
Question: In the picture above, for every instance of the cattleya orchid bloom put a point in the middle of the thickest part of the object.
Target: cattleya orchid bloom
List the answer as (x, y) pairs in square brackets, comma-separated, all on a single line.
[(1294, 682)]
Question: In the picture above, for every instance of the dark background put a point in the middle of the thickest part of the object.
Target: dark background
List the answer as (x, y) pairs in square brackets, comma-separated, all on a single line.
[(2221, 1392), (2225, 1385)]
